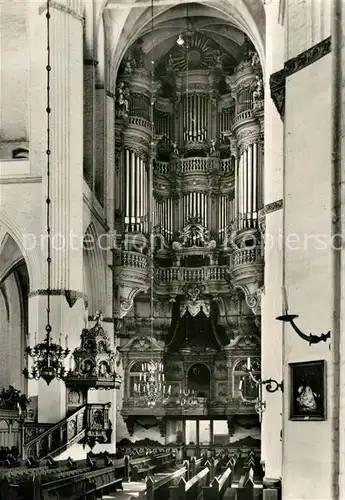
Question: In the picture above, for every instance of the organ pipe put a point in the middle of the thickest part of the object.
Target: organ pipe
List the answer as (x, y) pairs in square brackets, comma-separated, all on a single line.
[(250, 181), (128, 194), (255, 172), (245, 184)]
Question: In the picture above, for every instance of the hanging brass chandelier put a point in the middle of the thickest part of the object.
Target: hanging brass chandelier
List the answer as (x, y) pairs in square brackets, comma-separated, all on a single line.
[(187, 399), (152, 386), (47, 356)]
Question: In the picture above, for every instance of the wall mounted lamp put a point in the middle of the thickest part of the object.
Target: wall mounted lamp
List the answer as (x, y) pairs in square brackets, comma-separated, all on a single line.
[(289, 318), (270, 384), (259, 405)]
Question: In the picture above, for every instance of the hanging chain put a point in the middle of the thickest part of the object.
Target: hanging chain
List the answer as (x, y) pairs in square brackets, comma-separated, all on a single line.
[(151, 183), (48, 200)]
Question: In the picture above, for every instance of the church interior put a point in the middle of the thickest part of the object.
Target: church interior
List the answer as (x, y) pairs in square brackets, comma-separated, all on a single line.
[(171, 249)]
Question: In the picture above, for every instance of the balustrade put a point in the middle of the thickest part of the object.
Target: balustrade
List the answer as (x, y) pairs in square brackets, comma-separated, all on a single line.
[(245, 256), (133, 259), (244, 115), (56, 438), (195, 165), (187, 274), (139, 121)]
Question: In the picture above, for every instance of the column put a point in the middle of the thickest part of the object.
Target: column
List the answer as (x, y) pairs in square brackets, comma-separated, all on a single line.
[(100, 135), (198, 438), (271, 345), (113, 174), (89, 121), (66, 183)]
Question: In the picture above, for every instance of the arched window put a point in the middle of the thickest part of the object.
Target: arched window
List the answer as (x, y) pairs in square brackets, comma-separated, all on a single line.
[(199, 380), (242, 382)]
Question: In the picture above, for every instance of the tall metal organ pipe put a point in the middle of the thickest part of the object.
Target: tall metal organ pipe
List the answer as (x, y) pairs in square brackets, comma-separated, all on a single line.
[(136, 192)]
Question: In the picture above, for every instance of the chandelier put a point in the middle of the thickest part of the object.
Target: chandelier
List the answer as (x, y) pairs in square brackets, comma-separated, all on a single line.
[(47, 356), (152, 386), (187, 398)]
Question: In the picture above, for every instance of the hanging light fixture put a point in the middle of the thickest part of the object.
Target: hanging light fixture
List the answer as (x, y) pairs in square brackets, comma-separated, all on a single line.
[(187, 399), (152, 386), (180, 40), (48, 357), (270, 384)]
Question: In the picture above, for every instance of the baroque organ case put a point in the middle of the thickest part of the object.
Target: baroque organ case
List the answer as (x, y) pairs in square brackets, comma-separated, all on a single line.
[(188, 260)]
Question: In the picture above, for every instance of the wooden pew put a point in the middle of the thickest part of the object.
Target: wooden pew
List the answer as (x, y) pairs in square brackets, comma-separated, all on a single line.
[(140, 468), (78, 486), (196, 465), (159, 489), (191, 489), (21, 483), (214, 466), (163, 461), (218, 487), (245, 490)]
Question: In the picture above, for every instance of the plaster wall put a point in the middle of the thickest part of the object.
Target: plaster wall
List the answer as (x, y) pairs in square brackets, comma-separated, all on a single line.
[(307, 444), (14, 79), (308, 22)]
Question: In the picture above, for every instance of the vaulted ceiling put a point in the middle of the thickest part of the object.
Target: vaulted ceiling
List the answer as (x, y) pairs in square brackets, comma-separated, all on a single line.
[(158, 23)]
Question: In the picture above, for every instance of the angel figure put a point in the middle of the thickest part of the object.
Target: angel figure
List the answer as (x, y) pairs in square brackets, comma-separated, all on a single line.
[(129, 66), (258, 93), (213, 146), (175, 151), (218, 59)]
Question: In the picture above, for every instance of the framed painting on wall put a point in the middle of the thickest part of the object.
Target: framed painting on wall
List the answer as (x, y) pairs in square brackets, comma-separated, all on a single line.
[(308, 390)]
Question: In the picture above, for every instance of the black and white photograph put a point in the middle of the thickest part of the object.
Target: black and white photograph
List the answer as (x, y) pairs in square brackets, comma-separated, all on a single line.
[(172, 249)]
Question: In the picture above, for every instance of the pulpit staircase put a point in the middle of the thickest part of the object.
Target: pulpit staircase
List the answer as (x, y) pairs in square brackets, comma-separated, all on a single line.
[(55, 439)]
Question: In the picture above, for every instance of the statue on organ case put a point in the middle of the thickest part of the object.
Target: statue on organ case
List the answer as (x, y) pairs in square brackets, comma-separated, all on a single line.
[(122, 107), (213, 144), (175, 152), (218, 59), (258, 93)]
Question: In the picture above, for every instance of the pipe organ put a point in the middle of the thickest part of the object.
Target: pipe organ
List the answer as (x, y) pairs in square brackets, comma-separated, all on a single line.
[(136, 193), (208, 154), (195, 109), (247, 178), (164, 125)]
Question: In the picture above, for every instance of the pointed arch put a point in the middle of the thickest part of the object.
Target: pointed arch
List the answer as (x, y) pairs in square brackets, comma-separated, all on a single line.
[(28, 245)]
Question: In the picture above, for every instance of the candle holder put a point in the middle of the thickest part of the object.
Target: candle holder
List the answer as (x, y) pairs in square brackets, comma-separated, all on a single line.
[(270, 384), (311, 338)]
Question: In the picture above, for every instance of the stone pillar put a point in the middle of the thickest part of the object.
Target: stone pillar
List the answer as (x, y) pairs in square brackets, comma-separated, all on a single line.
[(89, 121), (66, 183), (100, 129), (271, 306), (112, 169)]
